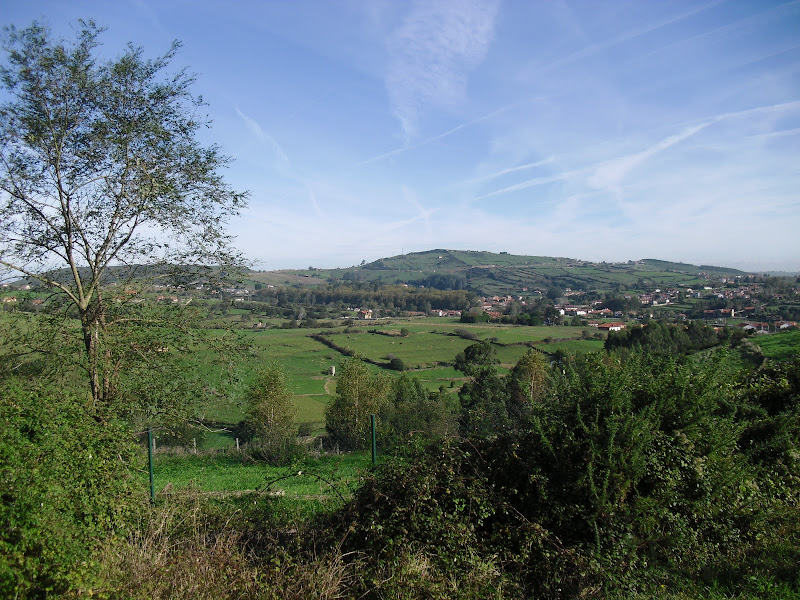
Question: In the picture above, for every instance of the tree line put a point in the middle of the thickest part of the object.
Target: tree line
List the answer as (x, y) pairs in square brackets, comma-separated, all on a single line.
[(388, 297)]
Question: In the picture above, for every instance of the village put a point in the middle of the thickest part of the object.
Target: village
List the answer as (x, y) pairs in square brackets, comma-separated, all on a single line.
[(751, 305)]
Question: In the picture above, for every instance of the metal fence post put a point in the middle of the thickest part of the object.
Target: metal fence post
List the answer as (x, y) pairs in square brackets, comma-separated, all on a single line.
[(374, 447), (150, 460)]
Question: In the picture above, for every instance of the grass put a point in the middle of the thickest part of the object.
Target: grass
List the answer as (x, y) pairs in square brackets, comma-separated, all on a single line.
[(418, 350), (311, 409), (428, 351), (321, 480), (784, 345), (433, 379)]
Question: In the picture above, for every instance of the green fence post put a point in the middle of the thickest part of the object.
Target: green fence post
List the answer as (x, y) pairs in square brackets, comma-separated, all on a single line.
[(150, 460), (374, 447)]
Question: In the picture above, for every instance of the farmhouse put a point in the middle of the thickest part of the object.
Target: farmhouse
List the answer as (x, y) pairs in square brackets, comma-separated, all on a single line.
[(611, 326)]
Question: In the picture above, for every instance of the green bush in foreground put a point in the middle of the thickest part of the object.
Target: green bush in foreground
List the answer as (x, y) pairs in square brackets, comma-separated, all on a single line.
[(632, 477), (65, 486)]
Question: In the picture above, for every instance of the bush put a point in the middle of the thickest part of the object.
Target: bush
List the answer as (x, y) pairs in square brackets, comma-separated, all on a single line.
[(305, 429), (631, 475), (359, 394), (66, 484), (421, 511), (465, 333)]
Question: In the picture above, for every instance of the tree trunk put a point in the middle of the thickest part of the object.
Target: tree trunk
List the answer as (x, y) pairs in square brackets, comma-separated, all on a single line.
[(92, 325)]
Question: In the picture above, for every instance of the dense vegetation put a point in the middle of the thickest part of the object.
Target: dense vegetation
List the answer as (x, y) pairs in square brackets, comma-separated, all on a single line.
[(666, 464), (618, 473), (630, 475)]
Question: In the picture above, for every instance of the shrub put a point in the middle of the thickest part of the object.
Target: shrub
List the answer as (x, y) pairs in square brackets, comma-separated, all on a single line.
[(397, 364), (631, 475), (66, 484), (465, 333), (359, 393)]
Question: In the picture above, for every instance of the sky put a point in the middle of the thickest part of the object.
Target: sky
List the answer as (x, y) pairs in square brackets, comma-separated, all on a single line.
[(613, 130)]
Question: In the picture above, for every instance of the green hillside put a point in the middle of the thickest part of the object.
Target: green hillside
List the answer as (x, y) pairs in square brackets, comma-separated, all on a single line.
[(491, 273)]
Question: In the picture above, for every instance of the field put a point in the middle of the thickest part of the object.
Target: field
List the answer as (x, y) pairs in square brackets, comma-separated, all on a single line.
[(780, 346), (428, 351), (312, 484)]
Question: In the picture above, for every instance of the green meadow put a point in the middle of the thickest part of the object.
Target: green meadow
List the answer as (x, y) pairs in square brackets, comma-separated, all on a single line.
[(216, 472), (428, 351), (784, 345)]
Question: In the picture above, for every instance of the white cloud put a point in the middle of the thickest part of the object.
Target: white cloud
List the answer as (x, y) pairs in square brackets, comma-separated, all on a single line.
[(440, 136), (432, 53), (509, 170), (533, 182)]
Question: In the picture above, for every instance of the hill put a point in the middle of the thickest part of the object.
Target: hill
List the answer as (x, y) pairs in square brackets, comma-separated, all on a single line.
[(489, 273), (484, 273)]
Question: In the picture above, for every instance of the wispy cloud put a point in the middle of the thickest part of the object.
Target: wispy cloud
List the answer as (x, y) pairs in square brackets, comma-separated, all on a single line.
[(423, 213), (611, 173), (777, 134), (312, 197), (432, 53), (515, 169), (256, 129), (777, 110), (151, 16), (440, 136), (632, 34)]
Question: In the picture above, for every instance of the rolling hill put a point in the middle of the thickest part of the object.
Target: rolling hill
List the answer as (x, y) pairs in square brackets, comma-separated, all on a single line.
[(490, 273)]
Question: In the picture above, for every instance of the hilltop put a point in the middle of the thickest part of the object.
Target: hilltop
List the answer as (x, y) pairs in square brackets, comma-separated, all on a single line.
[(480, 272), (490, 273)]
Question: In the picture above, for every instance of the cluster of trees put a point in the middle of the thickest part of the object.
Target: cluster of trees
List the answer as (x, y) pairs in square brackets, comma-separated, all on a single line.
[(402, 406), (387, 297), (443, 281), (486, 405), (534, 312), (658, 337)]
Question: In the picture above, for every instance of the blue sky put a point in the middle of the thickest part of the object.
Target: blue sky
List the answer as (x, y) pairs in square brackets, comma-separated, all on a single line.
[(595, 130)]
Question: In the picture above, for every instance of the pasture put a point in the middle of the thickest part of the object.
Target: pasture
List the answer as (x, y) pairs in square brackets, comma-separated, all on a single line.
[(784, 345), (428, 351), (313, 484)]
